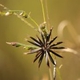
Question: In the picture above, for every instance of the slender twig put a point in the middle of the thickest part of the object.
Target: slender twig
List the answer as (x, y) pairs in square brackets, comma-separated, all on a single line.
[(50, 73), (20, 17), (59, 74), (33, 21), (43, 10), (50, 70), (70, 28), (54, 71), (47, 14)]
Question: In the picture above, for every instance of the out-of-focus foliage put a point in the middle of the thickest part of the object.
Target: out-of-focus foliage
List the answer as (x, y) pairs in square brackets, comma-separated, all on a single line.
[(14, 65)]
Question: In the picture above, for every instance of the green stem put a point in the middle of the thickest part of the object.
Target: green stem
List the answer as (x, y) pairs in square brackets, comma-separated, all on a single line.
[(54, 71), (50, 73), (47, 14), (20, 17), (33, 21), (43, 10), (59, 74), (24, 20)]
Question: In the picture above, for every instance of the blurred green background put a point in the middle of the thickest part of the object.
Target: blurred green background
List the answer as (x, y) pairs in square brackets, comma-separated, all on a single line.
[(14, 65)]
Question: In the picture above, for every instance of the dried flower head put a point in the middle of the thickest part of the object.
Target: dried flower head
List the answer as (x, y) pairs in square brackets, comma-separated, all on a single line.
[(44, 48)]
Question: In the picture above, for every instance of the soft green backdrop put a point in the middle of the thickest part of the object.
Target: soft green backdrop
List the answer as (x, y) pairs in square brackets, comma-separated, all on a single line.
[(14, 65)]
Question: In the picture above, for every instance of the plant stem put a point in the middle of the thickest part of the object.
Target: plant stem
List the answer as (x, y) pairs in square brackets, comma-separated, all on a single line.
[(47, 14), (20, 17), (54, 71), (43, 10), (50, 73), (33, 21), (24, 20), (59, 74)]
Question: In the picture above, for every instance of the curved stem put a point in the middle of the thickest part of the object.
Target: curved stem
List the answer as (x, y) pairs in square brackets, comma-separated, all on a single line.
[(70, 28), (20, 17), (33, 21)]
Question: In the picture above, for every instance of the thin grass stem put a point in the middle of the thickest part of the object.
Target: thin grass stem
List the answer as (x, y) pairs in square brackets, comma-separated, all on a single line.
[(20, 17), (54, 71), (47, 14), (33, 21), (59, 74), (50, 73), (43, 10)]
